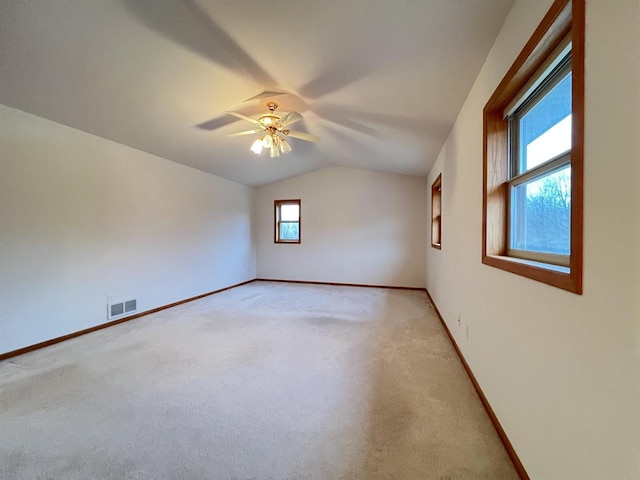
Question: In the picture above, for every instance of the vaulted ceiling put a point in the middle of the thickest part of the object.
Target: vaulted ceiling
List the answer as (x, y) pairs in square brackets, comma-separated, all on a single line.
[(380, 81)]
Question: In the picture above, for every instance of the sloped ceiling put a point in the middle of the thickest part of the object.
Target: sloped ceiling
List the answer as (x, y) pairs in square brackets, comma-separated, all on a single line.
[(380, 81)]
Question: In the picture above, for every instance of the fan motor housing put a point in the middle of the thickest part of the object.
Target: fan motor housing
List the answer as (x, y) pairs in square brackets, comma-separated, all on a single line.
[(269, 118)]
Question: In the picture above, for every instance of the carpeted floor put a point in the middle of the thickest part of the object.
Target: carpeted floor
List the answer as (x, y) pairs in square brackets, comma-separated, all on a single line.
[(266, 381)]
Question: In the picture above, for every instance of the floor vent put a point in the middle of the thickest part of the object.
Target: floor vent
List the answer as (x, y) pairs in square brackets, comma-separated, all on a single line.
[(121, 308)]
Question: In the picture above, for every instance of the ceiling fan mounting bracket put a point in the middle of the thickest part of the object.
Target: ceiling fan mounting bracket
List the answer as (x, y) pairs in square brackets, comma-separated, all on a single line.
[(272, 106)]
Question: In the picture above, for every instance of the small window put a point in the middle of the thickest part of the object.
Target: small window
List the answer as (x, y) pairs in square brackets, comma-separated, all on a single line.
[(533, 156), (287, 221), (436, 213)]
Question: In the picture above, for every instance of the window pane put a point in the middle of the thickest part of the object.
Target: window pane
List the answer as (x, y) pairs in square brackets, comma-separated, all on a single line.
[(289, 231), (435, 231), (289, 212), (541, 214), (545, 130)]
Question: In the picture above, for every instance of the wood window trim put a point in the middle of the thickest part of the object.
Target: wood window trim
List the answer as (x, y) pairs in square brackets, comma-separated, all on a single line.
[(436, 212), (565, 17), (276, 220)]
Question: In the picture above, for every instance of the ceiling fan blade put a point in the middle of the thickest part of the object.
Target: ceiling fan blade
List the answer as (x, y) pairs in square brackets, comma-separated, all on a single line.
[(290, 118), (246, 132), (266, 94), (244, 117), (303, 136)]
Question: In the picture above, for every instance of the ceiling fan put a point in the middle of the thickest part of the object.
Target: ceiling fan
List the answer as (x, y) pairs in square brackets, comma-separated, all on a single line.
[(275, 129)]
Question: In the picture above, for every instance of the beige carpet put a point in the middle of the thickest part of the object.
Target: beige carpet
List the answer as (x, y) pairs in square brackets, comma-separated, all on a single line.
[(265, 381)]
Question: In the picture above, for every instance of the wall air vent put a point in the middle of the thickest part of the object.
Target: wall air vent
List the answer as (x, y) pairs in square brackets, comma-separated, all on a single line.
[(120, 308), (130, 306)]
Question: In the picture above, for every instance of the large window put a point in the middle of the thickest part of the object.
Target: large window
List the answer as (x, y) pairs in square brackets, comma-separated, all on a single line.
[(540, 168), (533, 128), (287, 221), (436, 213)]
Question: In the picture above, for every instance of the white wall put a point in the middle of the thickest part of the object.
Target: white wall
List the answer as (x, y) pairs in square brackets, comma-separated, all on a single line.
[(560, 370), (357, 227), (82, 217)]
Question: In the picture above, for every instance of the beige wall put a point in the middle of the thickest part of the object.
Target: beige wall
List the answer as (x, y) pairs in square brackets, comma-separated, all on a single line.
[(561, 371), (82, 217), (358, 226)]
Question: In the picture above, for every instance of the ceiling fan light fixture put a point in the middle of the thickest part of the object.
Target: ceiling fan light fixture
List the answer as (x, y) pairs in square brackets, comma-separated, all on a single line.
[(272, 126), (257, 146)]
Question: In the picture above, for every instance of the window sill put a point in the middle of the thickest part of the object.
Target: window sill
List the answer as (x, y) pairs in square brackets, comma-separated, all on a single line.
[(534, 263), (554, 275)]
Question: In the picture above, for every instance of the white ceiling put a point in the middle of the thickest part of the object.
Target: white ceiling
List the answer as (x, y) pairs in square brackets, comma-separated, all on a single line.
[(380, 81)]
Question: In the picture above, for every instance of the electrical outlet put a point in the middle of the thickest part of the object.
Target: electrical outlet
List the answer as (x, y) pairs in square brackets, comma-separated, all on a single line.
[(459, 321), (468, 331)]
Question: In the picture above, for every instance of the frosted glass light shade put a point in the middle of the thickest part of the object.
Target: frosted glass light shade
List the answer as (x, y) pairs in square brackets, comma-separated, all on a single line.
[(256, 147), (267, 141), (284, 146), (274, 152)]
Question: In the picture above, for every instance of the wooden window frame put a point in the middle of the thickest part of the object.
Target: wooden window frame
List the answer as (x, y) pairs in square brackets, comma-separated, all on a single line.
[(436, 213), (564, 18), (276, 217)]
